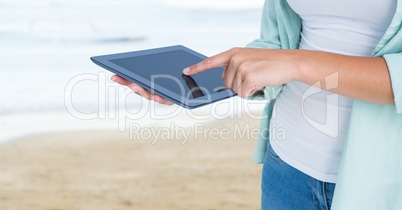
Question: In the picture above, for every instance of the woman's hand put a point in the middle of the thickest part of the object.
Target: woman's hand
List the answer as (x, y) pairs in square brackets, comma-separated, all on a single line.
[(140, 91), (248, 70)]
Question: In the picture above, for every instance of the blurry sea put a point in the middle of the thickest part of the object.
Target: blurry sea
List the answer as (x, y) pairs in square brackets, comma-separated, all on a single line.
[(44, 44)]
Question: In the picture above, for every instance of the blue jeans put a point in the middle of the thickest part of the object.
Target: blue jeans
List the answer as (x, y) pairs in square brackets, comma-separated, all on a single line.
[(286, 188)]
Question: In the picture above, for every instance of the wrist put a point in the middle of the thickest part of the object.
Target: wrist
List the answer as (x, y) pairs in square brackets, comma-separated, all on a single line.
[(303, 66)]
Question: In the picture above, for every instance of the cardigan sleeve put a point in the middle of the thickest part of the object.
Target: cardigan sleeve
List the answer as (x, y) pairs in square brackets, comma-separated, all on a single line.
[(394, 62)]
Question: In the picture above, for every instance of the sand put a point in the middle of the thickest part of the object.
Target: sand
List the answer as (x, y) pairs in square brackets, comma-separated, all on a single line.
[(105, 170)]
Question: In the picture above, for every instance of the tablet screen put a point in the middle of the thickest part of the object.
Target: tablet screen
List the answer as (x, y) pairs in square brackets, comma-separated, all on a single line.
[(165, 69)]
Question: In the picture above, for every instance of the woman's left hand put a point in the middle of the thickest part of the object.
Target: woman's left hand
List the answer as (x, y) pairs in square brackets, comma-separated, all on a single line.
[(248, 70)]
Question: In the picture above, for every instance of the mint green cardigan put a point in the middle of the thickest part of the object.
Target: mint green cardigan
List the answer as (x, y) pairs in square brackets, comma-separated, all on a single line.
[(370, 175)]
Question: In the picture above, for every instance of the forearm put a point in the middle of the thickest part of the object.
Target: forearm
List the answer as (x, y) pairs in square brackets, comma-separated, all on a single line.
[(362, 78)]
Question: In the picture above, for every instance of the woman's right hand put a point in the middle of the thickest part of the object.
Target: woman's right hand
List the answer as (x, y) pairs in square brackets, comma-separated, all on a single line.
[(140, 91)]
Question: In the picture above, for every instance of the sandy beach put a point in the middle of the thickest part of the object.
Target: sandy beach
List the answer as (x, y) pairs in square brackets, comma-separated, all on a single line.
[(105, 170), (51, 159)]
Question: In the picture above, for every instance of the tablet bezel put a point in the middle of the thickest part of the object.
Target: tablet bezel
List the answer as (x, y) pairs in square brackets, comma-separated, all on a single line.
[(105, 61)]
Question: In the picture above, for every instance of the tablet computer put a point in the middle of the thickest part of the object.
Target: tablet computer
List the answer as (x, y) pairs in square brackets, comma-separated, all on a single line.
[(160, 71)]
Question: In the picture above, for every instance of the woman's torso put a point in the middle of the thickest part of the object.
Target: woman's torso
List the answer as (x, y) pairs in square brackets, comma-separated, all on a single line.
[(315, 121)]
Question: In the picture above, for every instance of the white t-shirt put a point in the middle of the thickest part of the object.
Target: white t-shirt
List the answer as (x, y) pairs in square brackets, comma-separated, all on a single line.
[(314, 122)]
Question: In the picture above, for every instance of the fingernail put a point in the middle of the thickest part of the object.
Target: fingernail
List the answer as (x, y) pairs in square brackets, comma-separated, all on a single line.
[(113, 78), (155, 99), (133, 88), (186, 70)]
